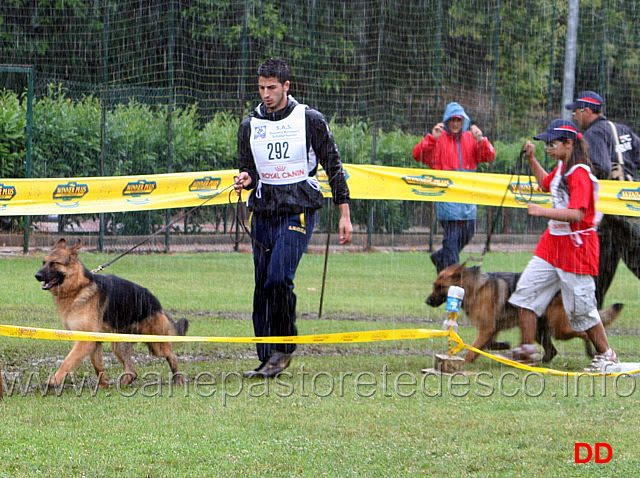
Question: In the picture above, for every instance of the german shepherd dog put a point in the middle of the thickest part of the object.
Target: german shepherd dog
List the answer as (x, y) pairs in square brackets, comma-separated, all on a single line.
[(104, 303), (485, 303)]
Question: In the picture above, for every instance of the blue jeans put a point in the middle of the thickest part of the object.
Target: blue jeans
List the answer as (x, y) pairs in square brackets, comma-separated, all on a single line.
[(285, 239), (457, 234)]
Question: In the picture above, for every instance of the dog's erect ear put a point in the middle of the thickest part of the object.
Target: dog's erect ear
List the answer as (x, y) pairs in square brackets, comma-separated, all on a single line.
[(458, 269), (61, 244), (73, 250)]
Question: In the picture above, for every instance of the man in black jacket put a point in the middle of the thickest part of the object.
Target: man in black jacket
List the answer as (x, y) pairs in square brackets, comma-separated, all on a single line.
[(615, 154), (280, 145)]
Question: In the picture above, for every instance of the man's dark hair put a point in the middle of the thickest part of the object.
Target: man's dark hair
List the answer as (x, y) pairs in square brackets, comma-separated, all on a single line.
[(274, 68)]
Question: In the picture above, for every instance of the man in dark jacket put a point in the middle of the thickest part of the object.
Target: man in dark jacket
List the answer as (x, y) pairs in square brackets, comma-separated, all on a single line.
[(615, 154), (280, 145)]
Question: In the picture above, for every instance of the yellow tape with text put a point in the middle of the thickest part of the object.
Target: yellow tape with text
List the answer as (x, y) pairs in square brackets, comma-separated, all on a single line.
[(342, 337), (43, 196)]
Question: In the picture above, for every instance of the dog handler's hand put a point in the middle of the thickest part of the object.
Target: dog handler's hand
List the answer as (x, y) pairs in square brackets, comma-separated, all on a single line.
[(530, 149), (242, 180), (535, 209), (346, 229)]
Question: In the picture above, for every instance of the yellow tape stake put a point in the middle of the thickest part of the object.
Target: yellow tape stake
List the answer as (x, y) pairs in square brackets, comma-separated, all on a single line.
[(335, 338)]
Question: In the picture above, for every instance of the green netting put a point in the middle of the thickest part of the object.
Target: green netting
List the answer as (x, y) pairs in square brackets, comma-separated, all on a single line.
[(393, 62), (150, 87)]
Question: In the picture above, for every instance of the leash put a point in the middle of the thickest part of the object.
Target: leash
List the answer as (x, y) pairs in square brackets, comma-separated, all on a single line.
[(517, 170), (164, 228), (239, 219), (519, 166)]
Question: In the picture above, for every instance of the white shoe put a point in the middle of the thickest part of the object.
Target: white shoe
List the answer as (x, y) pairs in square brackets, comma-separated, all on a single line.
[(601, 362), (527, 357)]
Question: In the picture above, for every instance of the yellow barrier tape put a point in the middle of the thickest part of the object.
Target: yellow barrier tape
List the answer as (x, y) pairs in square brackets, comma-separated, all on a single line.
[(333, 338), (342, 337), (383, 182), (548, 371), (114, 193), (180, 190)]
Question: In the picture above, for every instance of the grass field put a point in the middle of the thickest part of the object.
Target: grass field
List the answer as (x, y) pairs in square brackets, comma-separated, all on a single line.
[(361, 409)]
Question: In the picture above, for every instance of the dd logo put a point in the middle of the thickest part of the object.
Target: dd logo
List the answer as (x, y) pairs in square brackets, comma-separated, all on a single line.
[(598, 447)]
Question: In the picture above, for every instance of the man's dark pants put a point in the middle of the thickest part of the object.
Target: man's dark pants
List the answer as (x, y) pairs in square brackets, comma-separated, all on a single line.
[(619, 239), (283, 240), (457, 234)]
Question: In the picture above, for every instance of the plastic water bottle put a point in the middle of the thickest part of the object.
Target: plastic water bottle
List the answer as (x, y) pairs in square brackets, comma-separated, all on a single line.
[(454, 300)]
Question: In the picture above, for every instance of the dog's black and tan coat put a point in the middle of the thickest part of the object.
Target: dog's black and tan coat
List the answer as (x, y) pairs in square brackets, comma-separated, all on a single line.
[(91, 302), (486, 304)]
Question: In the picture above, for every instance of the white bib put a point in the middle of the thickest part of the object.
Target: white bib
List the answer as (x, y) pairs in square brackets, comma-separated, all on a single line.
[(280, 148), (560, 200)]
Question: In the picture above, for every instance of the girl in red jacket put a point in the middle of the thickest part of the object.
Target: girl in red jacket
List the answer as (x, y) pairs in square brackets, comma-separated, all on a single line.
[(567, 256)]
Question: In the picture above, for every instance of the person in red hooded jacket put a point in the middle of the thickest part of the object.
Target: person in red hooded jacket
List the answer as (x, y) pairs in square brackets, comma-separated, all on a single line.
[(454, 146)]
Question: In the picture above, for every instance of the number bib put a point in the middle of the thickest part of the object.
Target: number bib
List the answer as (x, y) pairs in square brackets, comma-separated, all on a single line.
[(560, 200), (280, 148)]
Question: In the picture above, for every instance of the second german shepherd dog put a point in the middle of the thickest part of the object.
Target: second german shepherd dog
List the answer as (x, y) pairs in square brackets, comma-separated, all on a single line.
[(486, 304), (91, 302)]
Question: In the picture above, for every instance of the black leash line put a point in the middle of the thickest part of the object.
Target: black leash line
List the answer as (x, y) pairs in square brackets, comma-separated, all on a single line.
[(517, 170), (519, 167), (239, 218), (164, 228)]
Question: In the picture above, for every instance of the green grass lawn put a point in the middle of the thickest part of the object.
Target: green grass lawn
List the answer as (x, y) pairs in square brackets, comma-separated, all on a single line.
[(362, 409)]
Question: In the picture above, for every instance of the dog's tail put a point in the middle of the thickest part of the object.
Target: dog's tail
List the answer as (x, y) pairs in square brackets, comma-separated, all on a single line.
[(611, 313), (182, 326)]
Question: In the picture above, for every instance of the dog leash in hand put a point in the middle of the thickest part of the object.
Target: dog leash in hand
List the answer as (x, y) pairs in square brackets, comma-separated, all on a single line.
[(517, 170), (239, 219), (519, 167), (159, 231)]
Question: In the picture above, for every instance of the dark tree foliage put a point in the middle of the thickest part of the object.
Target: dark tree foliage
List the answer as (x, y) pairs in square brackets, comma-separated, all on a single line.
[(394, 62)]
